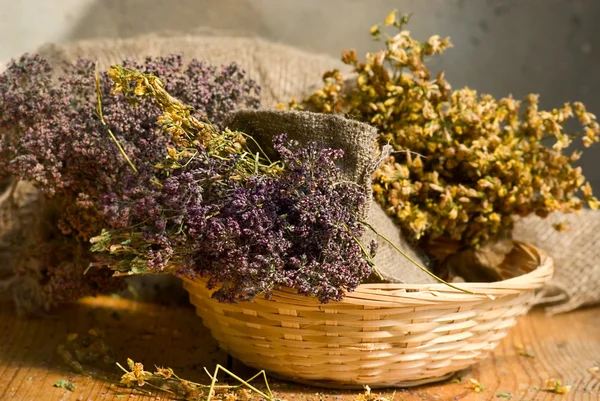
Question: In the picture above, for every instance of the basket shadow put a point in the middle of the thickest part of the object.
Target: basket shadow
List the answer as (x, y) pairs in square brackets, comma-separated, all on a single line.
[(149, 333)]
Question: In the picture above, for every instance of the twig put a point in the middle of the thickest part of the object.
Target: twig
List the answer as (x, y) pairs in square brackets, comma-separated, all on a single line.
[(367, 256), (425, 270), (246, 383), (101, 116), (136, 377), (260, 149)]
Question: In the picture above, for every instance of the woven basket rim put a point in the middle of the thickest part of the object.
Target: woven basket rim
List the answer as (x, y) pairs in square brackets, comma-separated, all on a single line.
[(395, 295)]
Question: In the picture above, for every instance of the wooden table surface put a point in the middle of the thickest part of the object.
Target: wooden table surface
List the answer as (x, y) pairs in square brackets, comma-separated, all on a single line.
[(566, 347)]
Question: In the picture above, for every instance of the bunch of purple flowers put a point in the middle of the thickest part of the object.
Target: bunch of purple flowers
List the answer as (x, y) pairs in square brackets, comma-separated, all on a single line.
[(159, 186), (223, 211), (297, 229), (52, 135)]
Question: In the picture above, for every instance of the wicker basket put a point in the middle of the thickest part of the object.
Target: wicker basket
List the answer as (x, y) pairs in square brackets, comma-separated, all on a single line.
[(381, 335)]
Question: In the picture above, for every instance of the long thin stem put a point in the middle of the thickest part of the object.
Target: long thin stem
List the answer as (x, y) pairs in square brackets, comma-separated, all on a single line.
[(260, 149), (425, 270), (269, 397), (101, 116), (366, 255), (186, 384)]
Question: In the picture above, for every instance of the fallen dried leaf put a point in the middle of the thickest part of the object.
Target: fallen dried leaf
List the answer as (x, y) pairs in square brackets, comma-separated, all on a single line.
[(556, 387)]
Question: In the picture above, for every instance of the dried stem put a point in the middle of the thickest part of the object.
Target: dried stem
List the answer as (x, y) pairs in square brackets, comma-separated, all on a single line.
[(424, 269), (101, 116), (165, 379)]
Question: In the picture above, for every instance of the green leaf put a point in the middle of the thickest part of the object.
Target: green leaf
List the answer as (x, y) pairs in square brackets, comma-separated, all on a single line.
[(504, 395)]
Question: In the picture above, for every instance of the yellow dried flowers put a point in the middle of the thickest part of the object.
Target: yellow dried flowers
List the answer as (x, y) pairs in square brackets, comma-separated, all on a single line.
[(466, 162)]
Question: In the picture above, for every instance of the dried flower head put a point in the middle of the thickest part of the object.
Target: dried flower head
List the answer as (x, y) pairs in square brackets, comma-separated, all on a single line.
[(58, 134), (476, 386), (556, 387)]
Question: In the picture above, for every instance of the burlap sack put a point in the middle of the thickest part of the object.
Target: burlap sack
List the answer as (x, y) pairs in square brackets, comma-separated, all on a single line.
[(361, 158), (576, 254), (282, 72)]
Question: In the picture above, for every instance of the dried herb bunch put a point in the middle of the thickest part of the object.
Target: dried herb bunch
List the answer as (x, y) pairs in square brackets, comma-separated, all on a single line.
[(477, 161), (91, 153), (58, 134), (216, 209)]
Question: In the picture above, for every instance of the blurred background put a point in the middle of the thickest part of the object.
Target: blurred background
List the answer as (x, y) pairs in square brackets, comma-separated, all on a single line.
[(550, 47)]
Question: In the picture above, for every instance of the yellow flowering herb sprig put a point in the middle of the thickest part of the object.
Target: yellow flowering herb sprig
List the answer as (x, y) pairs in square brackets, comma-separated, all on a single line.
[(188, 131), (466, 164)]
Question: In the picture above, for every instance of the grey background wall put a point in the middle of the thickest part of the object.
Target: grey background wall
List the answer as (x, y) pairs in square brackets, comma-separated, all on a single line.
[(551, 47)]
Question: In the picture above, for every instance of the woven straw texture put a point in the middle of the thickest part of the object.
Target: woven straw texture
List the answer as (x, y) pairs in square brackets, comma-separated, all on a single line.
[(381, 335)]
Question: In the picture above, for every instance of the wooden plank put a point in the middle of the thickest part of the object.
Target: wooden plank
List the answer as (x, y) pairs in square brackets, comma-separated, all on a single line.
[(565, 347)]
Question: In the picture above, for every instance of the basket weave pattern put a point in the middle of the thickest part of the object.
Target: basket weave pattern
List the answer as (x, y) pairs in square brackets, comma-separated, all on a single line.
[(381, 335)]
